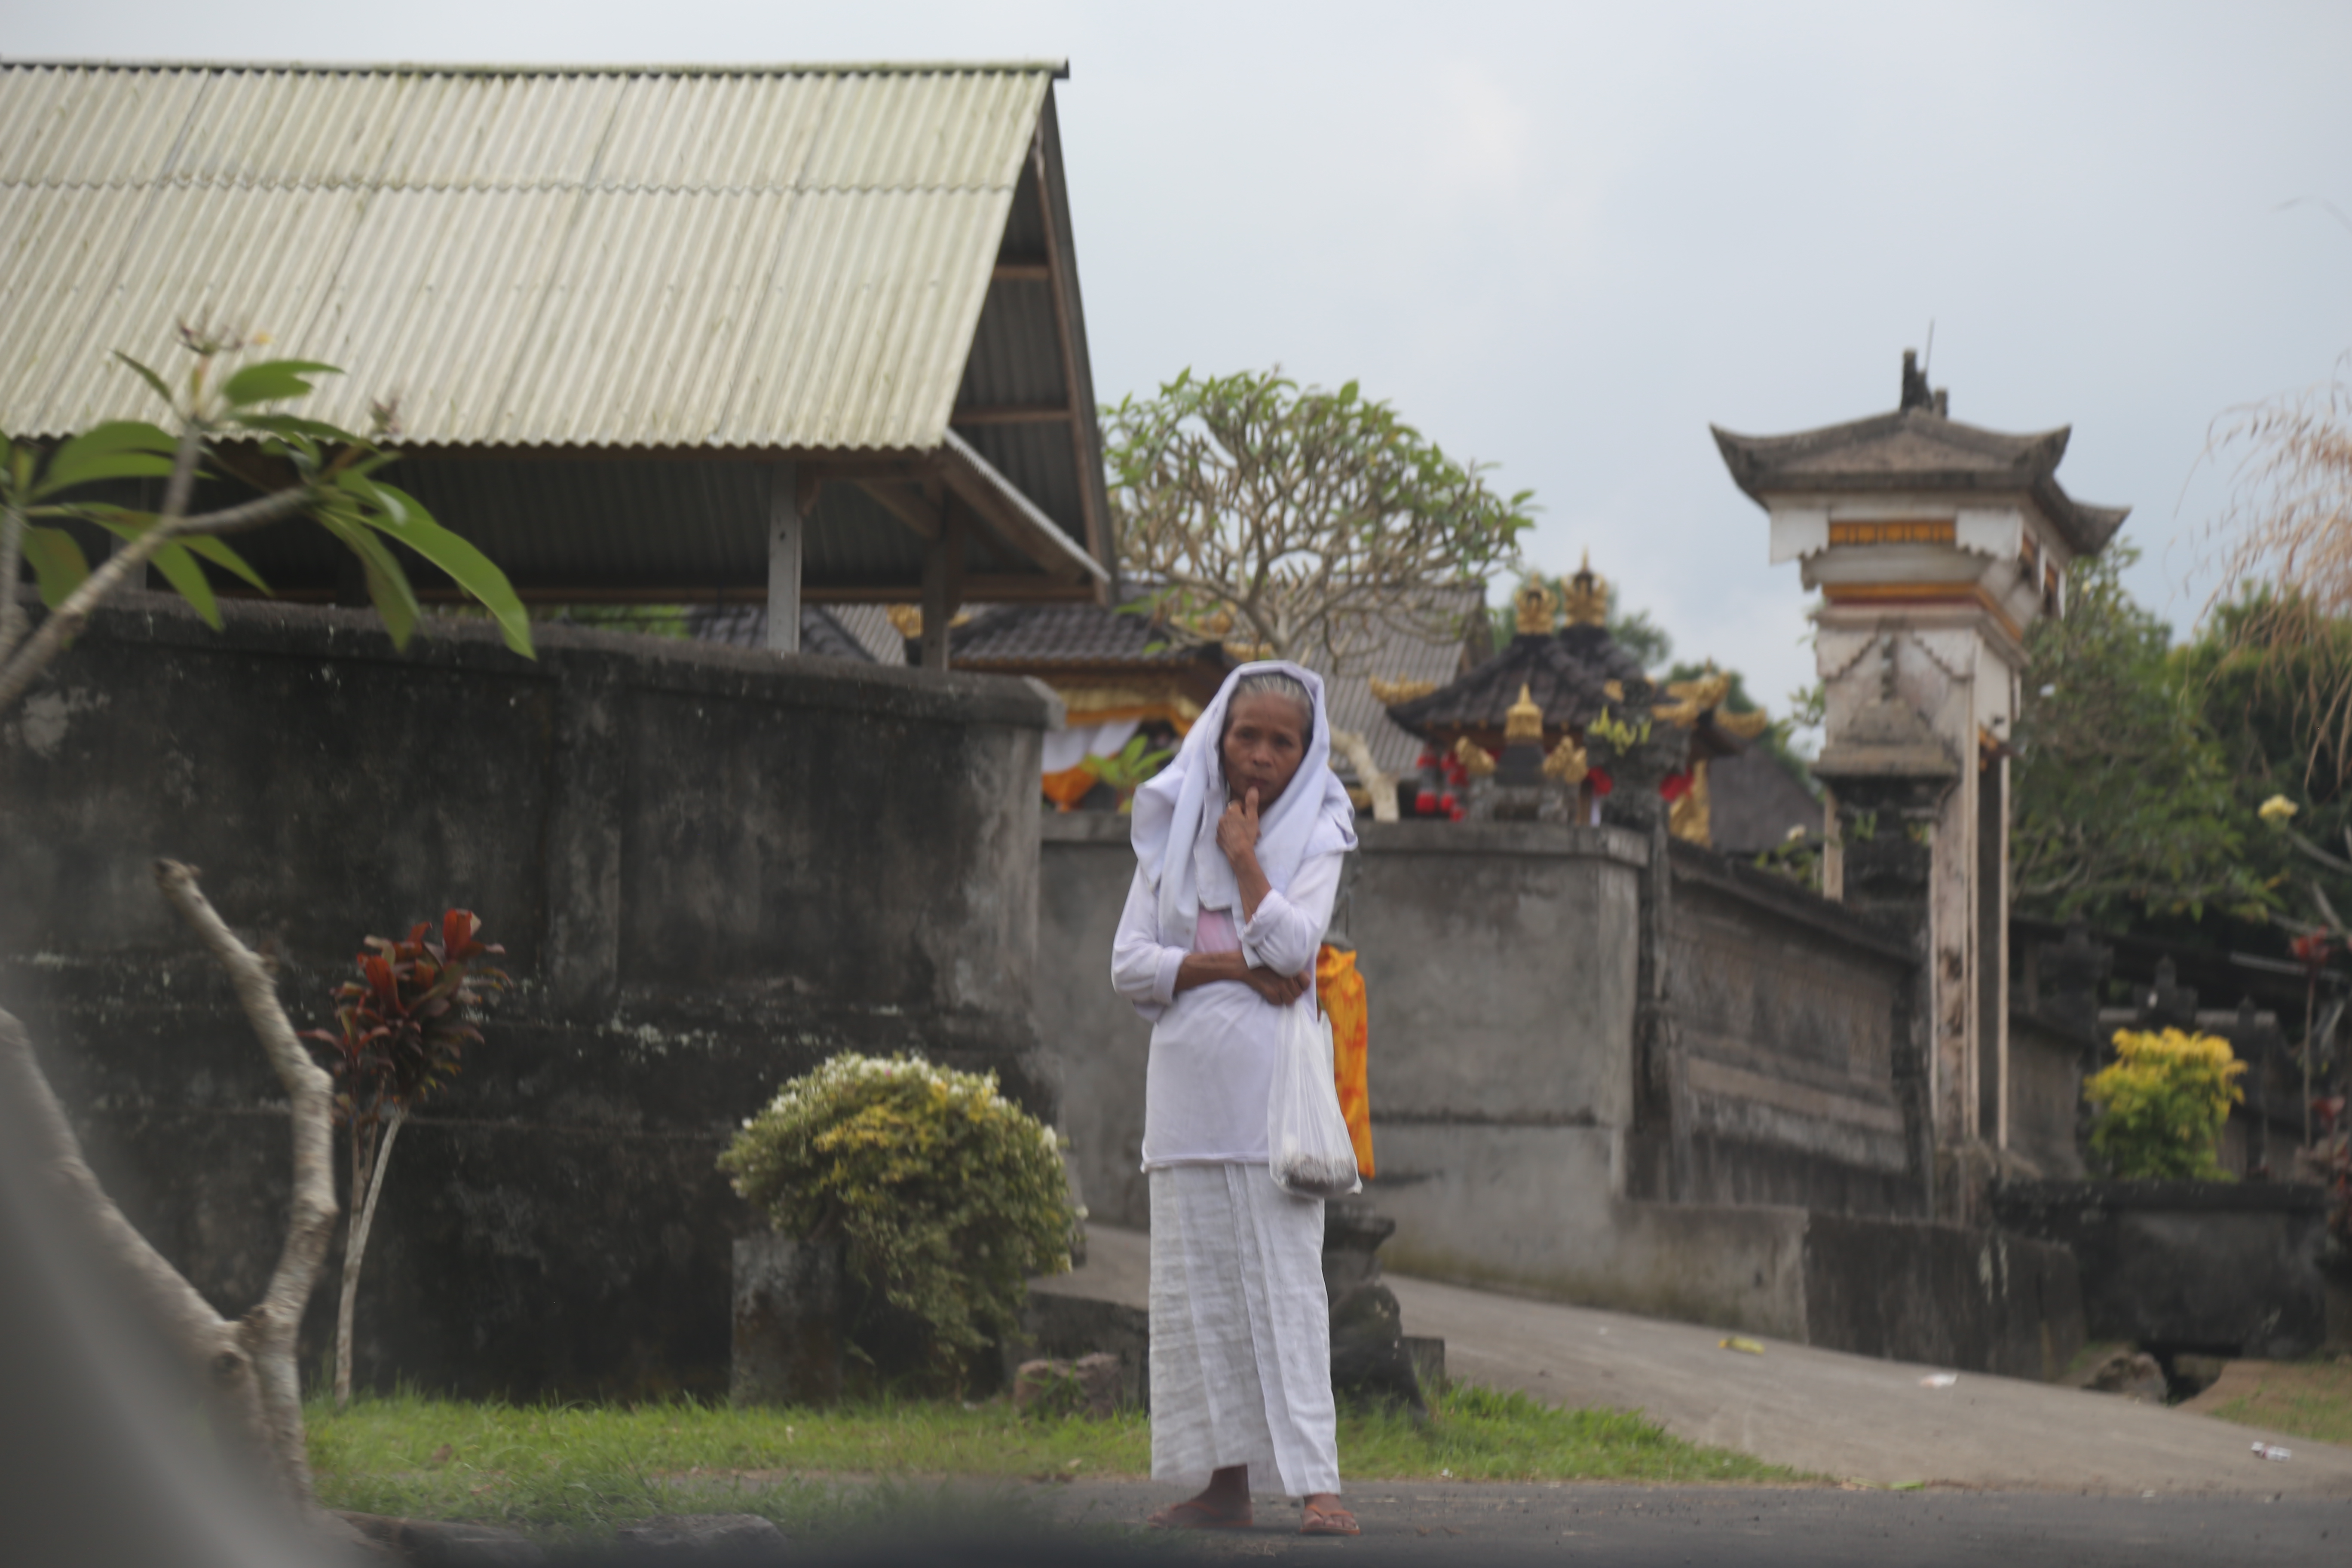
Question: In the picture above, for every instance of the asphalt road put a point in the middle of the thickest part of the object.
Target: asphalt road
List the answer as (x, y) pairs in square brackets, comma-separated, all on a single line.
[(1822, 1412), (1796, 1527), (1085, 1524)]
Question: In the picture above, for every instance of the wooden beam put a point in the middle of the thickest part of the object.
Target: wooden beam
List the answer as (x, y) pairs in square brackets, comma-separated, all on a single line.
[(787, 527), (1081, 457), (1011, 413), (985, 588), (811, 485), (978, 589), (904, 504), (1014, 516), (942, 587)]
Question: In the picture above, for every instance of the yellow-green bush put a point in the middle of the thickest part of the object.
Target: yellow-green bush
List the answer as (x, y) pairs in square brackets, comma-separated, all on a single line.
[(948, 1195), (2162, 1103)]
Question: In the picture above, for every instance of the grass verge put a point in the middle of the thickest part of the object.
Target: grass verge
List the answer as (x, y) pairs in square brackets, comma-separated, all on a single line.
[(2307, 1398), (580, 1470)]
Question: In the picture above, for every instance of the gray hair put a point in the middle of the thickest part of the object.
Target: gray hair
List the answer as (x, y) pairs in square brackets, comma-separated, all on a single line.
[(1272, 683)]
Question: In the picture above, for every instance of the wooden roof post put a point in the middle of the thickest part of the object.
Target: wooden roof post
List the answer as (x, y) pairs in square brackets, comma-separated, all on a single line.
[(786, 527), (943, 583)]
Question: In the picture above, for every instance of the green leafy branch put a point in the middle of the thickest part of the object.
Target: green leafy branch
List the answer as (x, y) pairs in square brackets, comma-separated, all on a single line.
[(305, 468)]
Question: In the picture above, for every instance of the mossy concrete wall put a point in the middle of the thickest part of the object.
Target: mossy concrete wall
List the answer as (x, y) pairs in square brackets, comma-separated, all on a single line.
[(1769, 1182), (711, 868)]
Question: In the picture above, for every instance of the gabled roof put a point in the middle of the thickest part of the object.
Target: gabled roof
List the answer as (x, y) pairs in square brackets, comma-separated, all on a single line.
[(1042, 638), (671, 270), (1395, 653), (746, 625), (791, 257), (1916, 448), (1059, 642)]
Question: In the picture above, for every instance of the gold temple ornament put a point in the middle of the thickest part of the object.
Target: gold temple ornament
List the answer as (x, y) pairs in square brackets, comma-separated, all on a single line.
[(1537, 608), (1475, 760), (1586, 597), (1523, 722)]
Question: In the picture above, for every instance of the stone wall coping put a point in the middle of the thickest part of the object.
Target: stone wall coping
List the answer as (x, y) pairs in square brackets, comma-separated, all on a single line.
[(1554, 841), (1775, 895), (804, 680), (1083, 827), (2194, 1197)]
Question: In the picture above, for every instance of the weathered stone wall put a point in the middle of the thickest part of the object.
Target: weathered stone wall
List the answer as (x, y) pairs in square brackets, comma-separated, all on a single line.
[(2045, 1093), (1515, 1148), (1096, 1041), (1787, 1009), (2226, 1268), (711, 868)]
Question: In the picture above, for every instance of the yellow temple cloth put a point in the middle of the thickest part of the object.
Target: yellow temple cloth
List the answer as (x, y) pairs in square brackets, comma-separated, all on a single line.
[(1340, 990)]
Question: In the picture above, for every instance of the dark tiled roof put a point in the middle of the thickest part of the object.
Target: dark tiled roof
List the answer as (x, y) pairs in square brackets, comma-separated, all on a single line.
[(746, 625), (1752, 802), (1039, 634), (1565, 675), (1918, 449)]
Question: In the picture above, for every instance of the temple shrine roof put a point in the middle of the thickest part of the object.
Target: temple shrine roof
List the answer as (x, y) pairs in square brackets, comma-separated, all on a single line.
[(1918, 448), (1568, 674)]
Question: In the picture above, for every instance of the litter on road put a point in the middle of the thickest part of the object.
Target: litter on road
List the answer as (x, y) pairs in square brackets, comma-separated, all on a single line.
[(2273, 1451), (1743, 1345), (1939, 1380)]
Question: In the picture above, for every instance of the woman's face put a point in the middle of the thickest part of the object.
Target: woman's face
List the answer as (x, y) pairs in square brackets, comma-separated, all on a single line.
[(1265, 740)]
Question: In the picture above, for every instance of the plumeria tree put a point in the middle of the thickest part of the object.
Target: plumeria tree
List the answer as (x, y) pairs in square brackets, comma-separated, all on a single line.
[(1307, 519), (227, 422), (1295, 523)]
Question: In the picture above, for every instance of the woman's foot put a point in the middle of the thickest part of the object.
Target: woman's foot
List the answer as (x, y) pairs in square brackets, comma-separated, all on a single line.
[(1324, 1516), (1195, 1514), (1223, 1504)]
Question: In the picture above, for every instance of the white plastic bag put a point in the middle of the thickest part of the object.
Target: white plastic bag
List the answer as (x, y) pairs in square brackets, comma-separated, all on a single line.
[(1312, 1155)]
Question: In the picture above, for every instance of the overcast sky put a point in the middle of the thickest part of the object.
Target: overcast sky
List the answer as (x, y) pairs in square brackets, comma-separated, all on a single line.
[(1564, 238)]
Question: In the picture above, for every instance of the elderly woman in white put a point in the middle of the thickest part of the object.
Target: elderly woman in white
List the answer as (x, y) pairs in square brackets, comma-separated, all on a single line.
[(1238, 846)]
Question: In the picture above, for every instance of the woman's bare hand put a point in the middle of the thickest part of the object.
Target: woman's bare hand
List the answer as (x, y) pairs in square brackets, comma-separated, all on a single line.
[(1237, 830), (1281, 990)]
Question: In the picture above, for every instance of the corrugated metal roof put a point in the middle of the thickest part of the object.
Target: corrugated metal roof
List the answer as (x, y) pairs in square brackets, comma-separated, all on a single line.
[(785, 257), (1390, 652)]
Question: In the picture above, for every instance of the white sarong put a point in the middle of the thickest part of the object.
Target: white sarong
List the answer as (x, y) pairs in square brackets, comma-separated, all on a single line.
[(1241, 1332)]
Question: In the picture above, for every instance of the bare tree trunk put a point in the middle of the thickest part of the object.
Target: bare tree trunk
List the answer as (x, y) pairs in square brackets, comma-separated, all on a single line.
[(11, 560), (355, 1248), (248, 1365), (1380, 785)]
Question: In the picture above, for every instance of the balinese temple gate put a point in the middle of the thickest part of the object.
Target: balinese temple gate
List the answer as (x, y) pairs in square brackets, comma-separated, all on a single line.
[(1935, 545)]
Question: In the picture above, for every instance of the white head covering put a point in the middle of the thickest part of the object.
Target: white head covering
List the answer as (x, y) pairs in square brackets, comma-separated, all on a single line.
[(1178, 810)]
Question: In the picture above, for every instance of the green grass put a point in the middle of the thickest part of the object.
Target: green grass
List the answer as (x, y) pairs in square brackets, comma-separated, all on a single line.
[(2308, 1398), (581, 1470)]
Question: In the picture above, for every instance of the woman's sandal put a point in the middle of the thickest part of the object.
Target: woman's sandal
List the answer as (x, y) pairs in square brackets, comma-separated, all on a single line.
[(1316, 1520), (1193, 1514)]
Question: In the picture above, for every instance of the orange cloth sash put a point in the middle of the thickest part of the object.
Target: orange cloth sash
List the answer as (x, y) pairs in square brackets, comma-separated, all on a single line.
[(1340, 991), (1069, 787)]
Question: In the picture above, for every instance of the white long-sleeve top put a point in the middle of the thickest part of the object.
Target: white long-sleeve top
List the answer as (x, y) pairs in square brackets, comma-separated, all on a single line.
[(1211, 1070)]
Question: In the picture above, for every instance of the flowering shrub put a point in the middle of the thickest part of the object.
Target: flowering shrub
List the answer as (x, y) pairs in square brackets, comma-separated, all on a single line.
[(948, 1194), (2162, 1104)]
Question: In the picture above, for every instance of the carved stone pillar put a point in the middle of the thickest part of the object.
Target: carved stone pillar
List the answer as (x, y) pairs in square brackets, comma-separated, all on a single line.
[(1891, 774)]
